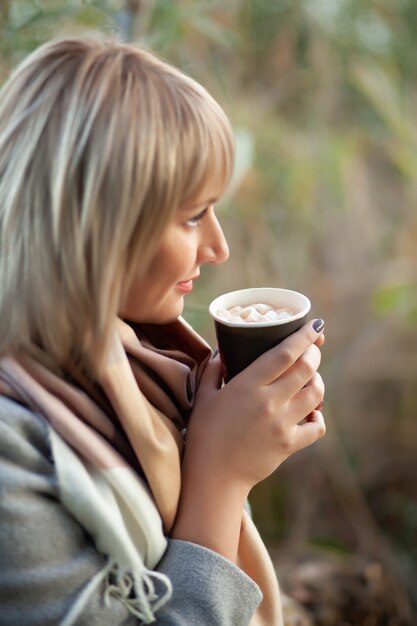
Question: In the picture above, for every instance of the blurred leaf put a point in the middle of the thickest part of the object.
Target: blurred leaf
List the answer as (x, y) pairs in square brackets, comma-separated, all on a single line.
[(400, 298), (91, 16), (383, 93)]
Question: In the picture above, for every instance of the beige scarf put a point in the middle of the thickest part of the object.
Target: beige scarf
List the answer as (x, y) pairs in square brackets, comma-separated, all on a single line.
[(133, 423)]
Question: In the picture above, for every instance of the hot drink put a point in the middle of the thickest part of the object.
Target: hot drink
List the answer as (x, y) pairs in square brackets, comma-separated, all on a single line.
[(255, 313)]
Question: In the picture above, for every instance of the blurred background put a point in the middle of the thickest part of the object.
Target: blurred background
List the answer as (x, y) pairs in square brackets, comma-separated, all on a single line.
[(322, 95)]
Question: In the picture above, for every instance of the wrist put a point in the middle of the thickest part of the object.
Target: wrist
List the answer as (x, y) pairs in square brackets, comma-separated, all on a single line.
[(210, 512)]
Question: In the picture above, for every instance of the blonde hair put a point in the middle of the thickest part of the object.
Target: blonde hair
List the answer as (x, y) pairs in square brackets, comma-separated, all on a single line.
[(100, 142)]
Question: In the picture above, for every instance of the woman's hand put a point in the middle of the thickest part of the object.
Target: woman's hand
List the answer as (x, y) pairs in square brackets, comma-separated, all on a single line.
[(240, 433), (257, 420)]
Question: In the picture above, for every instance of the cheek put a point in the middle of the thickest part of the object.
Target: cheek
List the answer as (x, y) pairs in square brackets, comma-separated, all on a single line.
[(174, 260), (180, 260), (165, 271)]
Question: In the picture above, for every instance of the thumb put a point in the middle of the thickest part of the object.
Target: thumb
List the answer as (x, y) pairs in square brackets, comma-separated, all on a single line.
[(211, 379)]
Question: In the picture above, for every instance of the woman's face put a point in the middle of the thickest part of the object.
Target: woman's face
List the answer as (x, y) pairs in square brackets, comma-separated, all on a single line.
[(193, 238)]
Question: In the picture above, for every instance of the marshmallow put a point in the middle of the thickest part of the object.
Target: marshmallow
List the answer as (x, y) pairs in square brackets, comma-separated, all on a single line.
[(253, 313), (263, 308)]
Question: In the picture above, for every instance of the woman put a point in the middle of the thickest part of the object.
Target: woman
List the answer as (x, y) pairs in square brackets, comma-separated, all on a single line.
[(111, 162)]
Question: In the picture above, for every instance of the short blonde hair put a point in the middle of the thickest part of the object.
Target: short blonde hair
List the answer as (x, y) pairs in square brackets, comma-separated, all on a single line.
[(100, 142)]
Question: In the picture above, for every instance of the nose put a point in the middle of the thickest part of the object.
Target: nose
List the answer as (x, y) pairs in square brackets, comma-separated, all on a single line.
[(213, 246)]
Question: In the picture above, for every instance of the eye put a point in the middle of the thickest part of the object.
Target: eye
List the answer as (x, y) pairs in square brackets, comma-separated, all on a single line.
[(194, 221)]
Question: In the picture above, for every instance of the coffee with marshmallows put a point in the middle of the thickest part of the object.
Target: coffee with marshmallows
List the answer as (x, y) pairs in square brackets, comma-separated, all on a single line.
[(255, 313)]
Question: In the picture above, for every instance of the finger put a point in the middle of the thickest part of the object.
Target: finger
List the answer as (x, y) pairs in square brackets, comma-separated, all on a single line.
[(276, 361), (320, 341), (300, 373), (312, 430), (308, 399)]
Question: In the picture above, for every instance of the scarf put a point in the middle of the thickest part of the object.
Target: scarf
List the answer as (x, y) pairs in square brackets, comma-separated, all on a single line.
[(117, 448)]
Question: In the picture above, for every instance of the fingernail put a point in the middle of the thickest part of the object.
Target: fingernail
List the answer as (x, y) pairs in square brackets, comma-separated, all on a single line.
[(318, 325), (215, 353)]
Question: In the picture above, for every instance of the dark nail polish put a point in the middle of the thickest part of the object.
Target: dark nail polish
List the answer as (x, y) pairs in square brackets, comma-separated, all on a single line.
[(318, 325)]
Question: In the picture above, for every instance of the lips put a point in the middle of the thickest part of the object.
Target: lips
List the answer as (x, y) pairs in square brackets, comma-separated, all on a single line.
[(186, 285)]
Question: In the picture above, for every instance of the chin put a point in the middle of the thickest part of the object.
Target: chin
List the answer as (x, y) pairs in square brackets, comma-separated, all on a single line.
[(168, 315), (164, 314)]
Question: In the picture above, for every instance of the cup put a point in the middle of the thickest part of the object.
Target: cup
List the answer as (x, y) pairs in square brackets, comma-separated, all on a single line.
[(240, 343)]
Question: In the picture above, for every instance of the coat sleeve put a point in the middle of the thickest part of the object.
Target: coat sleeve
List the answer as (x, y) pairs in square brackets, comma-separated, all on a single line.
[(47, 559)]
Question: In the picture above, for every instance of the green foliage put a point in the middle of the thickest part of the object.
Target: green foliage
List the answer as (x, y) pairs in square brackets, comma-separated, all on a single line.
[(398, 298), (25, 24)]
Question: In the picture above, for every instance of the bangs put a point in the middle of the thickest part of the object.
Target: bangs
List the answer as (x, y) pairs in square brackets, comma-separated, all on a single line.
[(206, 150)]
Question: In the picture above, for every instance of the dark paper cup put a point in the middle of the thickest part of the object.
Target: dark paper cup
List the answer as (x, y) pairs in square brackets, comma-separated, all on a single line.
[(241, 343)]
